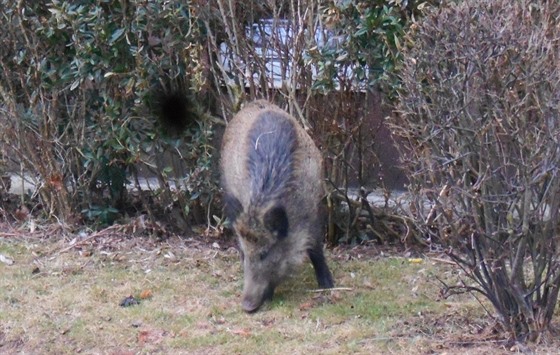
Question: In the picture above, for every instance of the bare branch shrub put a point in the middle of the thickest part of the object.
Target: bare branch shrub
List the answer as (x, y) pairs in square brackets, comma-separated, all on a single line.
[(316, 59), (479, 112)]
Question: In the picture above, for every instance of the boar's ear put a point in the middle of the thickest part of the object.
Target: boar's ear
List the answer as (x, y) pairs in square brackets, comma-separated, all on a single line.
[(276, 221), (232, 207)]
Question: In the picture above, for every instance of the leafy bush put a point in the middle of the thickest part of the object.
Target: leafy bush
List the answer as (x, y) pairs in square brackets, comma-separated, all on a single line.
[(479, 112), (362, 43), (76, 79)]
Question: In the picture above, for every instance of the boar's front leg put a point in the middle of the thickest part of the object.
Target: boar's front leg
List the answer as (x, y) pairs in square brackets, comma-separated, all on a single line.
[(322, 272)]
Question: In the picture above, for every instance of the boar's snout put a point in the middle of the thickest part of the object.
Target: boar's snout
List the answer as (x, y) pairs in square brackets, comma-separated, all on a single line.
[(254, 297)]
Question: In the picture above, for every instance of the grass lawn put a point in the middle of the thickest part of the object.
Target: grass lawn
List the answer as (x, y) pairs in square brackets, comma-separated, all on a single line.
[(60, 295)]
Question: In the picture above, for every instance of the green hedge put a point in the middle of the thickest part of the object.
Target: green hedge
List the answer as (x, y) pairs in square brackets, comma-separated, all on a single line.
[(77, 81)]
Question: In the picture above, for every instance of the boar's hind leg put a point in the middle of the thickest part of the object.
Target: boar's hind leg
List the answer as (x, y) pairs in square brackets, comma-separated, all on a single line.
[(322, 272)]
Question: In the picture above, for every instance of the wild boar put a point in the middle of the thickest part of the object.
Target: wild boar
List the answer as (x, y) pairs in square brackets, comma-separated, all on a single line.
[(272, 179)]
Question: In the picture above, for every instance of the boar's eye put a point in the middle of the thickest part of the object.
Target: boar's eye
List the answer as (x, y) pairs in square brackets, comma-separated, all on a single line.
[(263, 255), (276, 221)]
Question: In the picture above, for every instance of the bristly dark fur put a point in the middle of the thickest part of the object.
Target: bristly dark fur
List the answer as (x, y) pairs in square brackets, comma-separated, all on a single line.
[(273, 183), (276, 221), (273, 143), (232, 207)]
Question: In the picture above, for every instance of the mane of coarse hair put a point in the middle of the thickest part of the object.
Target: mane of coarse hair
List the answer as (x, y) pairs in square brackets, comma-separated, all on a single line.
[(273, 143)]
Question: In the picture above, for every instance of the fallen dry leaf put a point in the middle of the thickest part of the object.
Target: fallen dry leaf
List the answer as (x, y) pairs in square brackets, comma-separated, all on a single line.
[(85, 253), (242, 332), (55, 182), (268, 322), (151, 336), (21, 213), (146, 294), (143, 336), (123, 352), (335, 297), (306, 306)]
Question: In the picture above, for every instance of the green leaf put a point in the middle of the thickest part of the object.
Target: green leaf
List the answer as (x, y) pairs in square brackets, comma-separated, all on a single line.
[(116, 35)]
